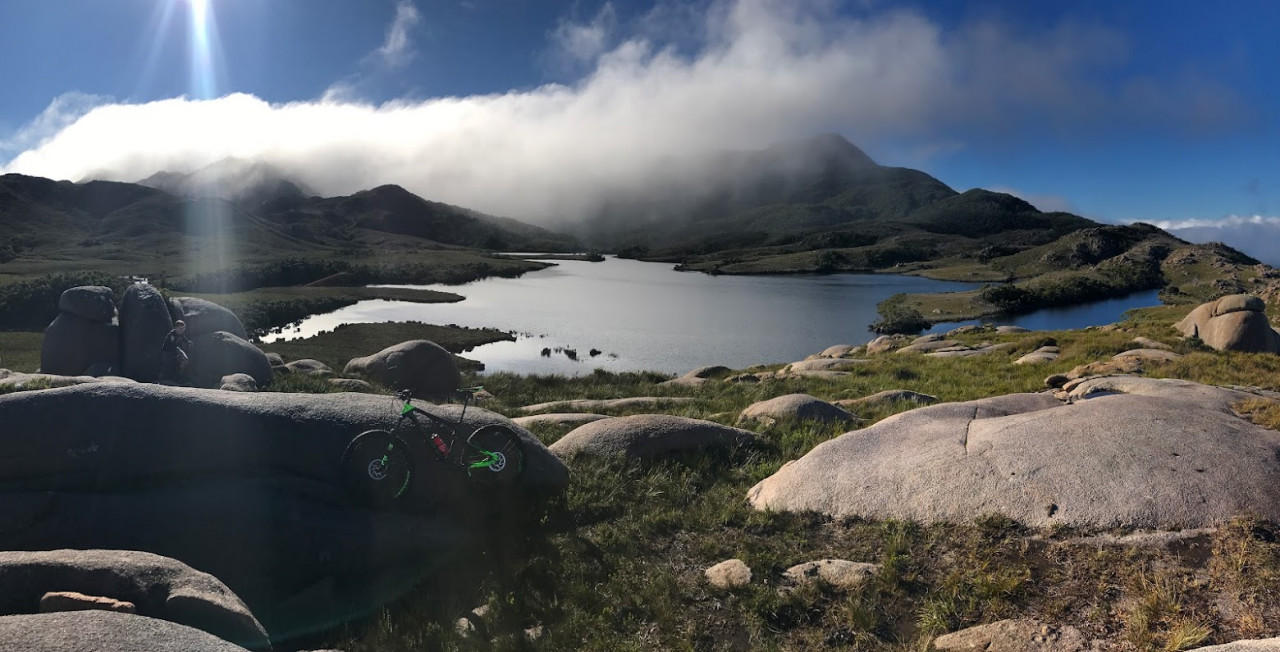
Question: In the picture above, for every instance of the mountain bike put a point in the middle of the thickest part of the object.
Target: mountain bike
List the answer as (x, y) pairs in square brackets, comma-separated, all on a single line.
[(378, 465)]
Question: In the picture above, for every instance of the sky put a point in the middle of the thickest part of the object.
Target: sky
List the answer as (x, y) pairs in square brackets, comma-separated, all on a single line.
[(1167, 112)]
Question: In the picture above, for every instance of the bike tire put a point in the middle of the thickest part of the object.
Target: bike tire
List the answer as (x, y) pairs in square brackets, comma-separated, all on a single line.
[(498, 440), (377, 467)]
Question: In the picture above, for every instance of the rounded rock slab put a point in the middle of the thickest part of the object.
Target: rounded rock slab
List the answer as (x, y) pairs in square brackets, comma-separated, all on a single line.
[(73, 344), (1253, 645), (1165, 454), (646, 436), (888, 396), (1015, 635), (218, 354), (144, 323), (203, 317), (558, 419), (800, 407), (92, 302), (157, 586), (77, 631), (238, 383), (423, 367), (586, 404)]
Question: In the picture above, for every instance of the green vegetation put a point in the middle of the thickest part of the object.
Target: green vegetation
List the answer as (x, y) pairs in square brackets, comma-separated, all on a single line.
[(335, 348), (618, 565)]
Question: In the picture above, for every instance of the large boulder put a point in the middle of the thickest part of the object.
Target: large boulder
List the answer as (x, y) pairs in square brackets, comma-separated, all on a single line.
[(79, 631), (1232, 323), (91, 302), (793, 407), (144, 322), (219, 354), (157, 586), (247, 487), (1127, 451), (424, 368), (648, 436), (204, 317), (73, 344)]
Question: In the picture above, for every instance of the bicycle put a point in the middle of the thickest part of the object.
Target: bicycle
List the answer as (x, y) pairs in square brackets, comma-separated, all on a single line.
[(378, 466)]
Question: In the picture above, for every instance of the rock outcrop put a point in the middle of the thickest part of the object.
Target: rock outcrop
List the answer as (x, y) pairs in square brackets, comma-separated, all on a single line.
[(144, 322), (1128, 451), (888, 396), (91, 302), (203, 317), (793, 407), (218, 354), (245, 486), (76, 631), (1233, 323), (558, 419), (1019, 635), (72, 345), (424, 368), (586, 404), (648, 436), (155, 586)]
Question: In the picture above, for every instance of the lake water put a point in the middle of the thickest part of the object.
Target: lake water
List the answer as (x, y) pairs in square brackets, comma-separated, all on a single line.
[(646, 316)]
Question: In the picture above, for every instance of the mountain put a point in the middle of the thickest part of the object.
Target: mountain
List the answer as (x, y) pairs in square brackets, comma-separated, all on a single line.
[(49, 224), (246, 183), (816, 194)]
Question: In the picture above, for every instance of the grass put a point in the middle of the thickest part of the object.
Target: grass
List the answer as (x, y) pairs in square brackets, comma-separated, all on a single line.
[(20, 351)]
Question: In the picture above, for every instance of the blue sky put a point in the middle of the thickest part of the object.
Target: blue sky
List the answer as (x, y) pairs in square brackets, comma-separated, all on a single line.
[(1157, 111)]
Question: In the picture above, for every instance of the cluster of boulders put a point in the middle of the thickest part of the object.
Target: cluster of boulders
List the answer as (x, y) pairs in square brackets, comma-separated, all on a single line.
[(1233, 323), (92, 339), (91, 336)]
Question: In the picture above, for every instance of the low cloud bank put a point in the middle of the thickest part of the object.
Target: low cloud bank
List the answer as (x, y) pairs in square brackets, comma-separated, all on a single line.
[(763, 72), (1257, 236)]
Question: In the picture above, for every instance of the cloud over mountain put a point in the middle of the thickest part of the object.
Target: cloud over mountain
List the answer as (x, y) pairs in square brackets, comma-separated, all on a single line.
[(762, 71), (1256, 235)]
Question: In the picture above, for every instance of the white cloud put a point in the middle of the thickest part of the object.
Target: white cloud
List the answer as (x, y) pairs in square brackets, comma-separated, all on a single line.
[(61, 113), (582, 42), (763, 71), (397, 50), (1255, 235)]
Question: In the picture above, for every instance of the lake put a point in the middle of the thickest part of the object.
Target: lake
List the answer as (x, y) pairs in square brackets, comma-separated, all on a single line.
[(646, 316)]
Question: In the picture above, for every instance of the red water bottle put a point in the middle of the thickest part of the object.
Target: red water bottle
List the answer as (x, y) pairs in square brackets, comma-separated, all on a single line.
[(439, 442)]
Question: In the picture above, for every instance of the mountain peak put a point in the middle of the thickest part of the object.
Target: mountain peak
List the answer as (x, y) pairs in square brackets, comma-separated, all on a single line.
[(827, 148)]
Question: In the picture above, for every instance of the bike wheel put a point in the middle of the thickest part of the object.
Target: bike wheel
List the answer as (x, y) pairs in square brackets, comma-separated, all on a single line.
[(376, 467), (493, 454)]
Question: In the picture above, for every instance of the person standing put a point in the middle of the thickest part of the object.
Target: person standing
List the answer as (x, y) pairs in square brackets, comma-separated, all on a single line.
[(174, 349)]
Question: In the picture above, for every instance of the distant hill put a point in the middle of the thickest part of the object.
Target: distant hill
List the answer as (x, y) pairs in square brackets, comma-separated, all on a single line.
[(102, 224), (246, 183)]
